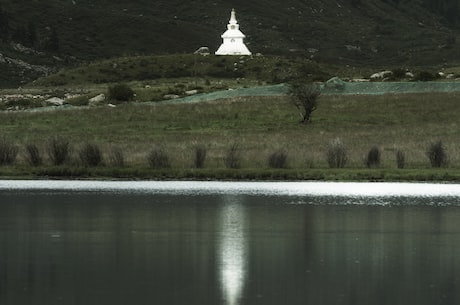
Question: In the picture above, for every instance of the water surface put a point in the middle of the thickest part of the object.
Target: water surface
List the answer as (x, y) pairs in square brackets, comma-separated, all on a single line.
[(228, 243)]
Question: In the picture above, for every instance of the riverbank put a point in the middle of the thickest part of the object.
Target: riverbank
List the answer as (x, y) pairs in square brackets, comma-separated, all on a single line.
[(315, 174)]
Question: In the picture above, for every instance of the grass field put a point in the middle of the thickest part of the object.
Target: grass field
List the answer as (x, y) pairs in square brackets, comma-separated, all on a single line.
[(259, 127)]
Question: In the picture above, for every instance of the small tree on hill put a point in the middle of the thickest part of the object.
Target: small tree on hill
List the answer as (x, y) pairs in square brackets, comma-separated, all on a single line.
[(305, 98)]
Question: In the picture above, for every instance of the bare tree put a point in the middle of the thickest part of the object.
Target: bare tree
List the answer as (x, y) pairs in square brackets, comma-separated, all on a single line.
[(305, 98)]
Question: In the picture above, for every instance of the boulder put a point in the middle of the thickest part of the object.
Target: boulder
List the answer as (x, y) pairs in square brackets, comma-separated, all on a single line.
[(202, 51), (55, 101), (97, 99), (381, 75), (335, 83), (171, 96), (191, 92), (409, 75)]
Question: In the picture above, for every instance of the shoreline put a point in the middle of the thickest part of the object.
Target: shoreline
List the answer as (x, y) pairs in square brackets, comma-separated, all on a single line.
[(442, 175)]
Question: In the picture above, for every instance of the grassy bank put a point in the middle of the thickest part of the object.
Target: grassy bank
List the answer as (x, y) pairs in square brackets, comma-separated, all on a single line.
[(258, 127)]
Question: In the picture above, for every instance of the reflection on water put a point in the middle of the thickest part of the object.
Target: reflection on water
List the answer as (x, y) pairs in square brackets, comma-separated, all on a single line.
[(85, 247), (233, 249)]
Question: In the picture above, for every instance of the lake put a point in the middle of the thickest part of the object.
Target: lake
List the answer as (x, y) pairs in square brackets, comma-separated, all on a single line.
[(90, 242)]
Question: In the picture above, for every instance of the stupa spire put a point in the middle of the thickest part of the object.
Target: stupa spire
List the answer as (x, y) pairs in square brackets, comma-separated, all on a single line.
[(233, 17)]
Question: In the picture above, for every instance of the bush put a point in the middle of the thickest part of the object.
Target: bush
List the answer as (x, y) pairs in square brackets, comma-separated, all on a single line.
[(158, 158), (90, 154), (21, 104), (82, 100), (232, 157), (58, 150), (117, 157), (33, 156), (399, 73), (278, 159), (8, 152), (373, 157), (437, 154), (400, 159), (337, 155), (425, 76), (121, 93), (200, 156)]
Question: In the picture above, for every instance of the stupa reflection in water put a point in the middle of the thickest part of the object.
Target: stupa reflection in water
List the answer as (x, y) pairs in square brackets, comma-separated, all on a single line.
[(232, 250)]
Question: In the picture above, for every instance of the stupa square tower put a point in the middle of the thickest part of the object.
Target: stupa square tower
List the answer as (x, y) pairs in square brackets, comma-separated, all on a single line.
[(233, 39)]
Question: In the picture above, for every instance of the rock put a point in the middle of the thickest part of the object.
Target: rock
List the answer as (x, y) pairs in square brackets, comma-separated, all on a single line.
[(381, 75), (191, 92), (171, 96), (335, 83), (97, 99), (353, 48), (409, 75), (56, 101), (202, 51)]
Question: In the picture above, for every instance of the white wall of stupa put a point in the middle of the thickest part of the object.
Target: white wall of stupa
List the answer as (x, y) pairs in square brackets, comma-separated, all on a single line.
[(233, 39)]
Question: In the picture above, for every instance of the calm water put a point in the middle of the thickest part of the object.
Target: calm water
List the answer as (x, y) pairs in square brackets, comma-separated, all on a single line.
[(205, 243)]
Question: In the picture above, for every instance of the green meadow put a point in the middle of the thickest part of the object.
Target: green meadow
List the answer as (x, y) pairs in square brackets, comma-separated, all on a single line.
[(257, 127)]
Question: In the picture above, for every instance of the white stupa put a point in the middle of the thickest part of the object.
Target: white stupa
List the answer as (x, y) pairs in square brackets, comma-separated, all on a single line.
[(233, 39)]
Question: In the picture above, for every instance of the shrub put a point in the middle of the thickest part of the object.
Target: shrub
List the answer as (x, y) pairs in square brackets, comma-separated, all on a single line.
[(121, 93), (399, 73), (33, 156), (117, 157), (373, 157), (400, 159), (200, 156), (58, 150), (337, 155), (278, 159), (82, 100), (158, 158), (21, 104), (8, 152), (425, 76), (90, 154), (437, 154), (232, 158)]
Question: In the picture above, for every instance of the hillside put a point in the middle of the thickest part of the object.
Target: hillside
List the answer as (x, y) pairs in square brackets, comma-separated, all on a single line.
[(353, 32)]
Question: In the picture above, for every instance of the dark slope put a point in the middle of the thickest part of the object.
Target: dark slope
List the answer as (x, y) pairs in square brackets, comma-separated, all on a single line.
[(374, 32)]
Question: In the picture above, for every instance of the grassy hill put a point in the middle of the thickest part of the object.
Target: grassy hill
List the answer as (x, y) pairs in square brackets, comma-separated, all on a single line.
[(353, 32)]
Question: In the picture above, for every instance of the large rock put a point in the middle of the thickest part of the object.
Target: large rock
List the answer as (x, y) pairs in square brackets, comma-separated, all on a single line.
[(55, 101), (171, 96), (381, 75), (191, 92), (97, 99), (202, 51), (335, 83)]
